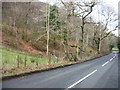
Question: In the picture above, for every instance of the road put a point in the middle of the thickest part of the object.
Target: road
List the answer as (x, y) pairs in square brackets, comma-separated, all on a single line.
[(98, 73)]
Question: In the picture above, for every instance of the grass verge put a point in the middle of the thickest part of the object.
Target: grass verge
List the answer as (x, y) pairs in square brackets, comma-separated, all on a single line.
[(10, 59), (38, 70)]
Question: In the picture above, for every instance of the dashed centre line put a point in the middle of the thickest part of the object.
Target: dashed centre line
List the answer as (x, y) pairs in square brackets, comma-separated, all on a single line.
[(81, 79), (111, 59), (108, 61), (105, 63)]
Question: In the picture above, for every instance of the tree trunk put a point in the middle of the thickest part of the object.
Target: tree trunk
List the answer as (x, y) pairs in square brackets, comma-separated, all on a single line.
[(47, 27), (77, 50), (82, 39), (98, 46)]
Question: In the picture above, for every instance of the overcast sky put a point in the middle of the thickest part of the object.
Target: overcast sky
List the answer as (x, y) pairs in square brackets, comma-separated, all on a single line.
[(112, 3)]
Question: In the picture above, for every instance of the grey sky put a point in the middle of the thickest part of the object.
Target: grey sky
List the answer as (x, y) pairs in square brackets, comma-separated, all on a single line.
[(112, 3)]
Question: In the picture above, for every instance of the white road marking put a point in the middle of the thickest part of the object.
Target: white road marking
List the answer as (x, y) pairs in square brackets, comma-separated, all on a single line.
[(105, 63), (111, 59), (108, 61), (114, 56), (81, 79)]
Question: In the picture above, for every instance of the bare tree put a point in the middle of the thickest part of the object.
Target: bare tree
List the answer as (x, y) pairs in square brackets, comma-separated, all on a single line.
[(82, 10), (108, 16), (85, 9)]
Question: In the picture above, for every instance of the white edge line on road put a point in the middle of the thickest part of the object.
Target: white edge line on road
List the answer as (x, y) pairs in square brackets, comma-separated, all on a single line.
[(81, 79), (105, 63)]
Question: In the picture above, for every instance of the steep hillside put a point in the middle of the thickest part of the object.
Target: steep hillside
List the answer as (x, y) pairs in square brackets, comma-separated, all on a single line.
[(23, 29)]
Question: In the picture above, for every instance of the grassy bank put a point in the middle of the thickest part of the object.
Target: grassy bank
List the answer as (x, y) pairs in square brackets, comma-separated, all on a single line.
[(45, 68), (14, 59), (10, 67)]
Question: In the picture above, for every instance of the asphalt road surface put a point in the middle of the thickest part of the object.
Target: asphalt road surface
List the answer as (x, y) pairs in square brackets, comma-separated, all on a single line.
[(98, 73)]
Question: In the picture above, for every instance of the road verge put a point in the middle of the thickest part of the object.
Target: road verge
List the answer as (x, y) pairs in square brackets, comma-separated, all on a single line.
[(57, 66)]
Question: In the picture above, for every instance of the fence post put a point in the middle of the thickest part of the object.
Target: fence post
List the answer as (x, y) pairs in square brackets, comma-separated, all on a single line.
[(25, 64), (49, 57), (18, 61)]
